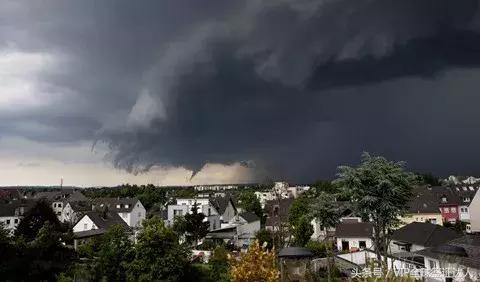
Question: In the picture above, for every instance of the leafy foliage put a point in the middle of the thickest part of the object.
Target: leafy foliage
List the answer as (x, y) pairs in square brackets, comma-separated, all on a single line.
[(192, 225), (219, 264), (158, 254), (257, 264), (35, 219), (249, 202), (299, 220), (380, 190), (265, 236)]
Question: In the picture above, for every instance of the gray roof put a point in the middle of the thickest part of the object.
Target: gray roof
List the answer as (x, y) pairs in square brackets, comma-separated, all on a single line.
[(89, 233), (249, 216), (354, 230), (112, 203), (428, 199), (105, 220), (295, 252), (221, 203), (12, 207), (80, 206), (455, 250), (424, 234), (61, 195)]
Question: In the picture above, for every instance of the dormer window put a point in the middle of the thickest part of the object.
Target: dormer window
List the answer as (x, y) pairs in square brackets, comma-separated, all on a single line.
[(126, 206), (444, 199), (471, 188), (466, 199), (118, 206), (464, 188)]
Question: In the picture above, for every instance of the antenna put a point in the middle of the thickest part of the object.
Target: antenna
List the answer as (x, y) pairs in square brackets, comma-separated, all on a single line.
[(61, 183)]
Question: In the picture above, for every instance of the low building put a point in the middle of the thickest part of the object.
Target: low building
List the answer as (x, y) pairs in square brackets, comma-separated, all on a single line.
[(240, 232), (460, 256), (95, 223), (354, 236), (420, 235), (59, 198)]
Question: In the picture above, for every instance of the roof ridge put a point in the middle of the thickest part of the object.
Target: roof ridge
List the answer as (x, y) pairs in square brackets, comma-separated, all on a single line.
[(431, 233)]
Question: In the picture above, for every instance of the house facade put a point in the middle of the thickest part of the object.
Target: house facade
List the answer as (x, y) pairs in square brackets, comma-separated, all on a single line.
[(354, 236), (12, 211)]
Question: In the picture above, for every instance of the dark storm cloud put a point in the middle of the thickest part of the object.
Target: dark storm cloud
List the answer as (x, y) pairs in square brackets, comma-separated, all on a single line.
[(295, 87)]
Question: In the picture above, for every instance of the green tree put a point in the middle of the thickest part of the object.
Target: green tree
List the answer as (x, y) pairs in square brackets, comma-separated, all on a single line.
[(158, 254), (115, 253), (219, 264), (265, 236), (35, 219), (249, 202), (380, 190), (299, 221), (427, 178), (192, 226), (327, 212)]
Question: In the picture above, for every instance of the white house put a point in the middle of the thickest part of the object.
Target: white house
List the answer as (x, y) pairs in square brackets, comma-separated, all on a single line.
[(217, 210), (95, 223), (354, 236), (73, 211), (131, 210), (12, 211)]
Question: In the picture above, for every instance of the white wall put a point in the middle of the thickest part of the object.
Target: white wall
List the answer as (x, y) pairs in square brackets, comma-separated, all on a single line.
[(474, 210), (84, 224), (172, 208), (354, 242), (10, 222), (249, 228), (464, 213), (394, 248), (135, 217)]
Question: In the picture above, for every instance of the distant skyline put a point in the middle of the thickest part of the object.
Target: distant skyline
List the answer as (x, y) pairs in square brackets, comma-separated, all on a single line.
[(110, 92)]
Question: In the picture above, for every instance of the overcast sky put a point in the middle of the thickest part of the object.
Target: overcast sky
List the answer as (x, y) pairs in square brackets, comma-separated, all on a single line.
[(109, 92)]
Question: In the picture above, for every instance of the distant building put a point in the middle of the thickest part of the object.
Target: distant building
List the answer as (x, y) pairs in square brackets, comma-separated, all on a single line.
[(216, 187), (277, 213), (59, 198), (440, 204)]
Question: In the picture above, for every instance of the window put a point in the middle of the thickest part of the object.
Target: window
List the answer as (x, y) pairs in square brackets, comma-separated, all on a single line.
[(126, 206), (453, 209), (445, 210), (444, 199), (54, 205), (8, 221), (59, 205), (177, 212), (85, 226), (139, 214), (362, 244), (275, 210), (16, 220), (433, 220), (466, 199), (432, 264)]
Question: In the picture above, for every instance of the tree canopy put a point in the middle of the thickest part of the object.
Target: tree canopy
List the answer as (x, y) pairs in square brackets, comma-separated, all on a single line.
[(379, 190)]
